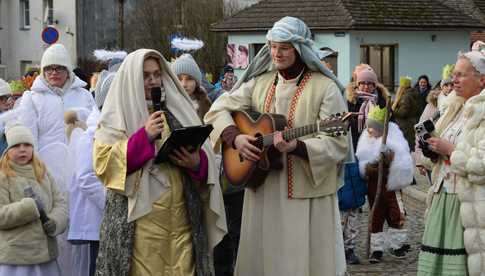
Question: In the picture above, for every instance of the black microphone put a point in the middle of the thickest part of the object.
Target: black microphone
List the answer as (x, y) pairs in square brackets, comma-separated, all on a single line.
[(156, 93), (156, 98)]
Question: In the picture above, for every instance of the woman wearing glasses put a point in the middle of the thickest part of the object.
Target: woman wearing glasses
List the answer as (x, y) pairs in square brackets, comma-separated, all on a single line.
[(55, 91), (453, 236)]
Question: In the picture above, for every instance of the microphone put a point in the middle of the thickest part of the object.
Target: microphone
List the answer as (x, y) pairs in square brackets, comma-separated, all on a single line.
[(156, 98), (156, 94)]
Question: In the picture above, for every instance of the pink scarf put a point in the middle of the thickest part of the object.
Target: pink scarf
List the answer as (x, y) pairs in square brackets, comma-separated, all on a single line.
[(369, 100)]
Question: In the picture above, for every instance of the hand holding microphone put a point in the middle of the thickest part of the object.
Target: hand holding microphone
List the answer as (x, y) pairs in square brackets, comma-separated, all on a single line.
[(154, 124)]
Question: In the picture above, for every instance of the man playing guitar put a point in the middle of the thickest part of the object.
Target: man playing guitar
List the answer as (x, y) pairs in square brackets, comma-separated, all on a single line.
[(290, 224)]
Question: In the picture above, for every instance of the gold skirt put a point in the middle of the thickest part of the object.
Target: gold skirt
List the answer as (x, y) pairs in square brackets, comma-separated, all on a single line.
[(162, 243)]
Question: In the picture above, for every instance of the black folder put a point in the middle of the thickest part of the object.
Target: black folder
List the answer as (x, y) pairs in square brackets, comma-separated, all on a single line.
[(189, 137)]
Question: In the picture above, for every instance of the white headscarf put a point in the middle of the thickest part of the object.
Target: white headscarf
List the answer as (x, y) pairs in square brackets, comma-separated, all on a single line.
[(125, 111), (295, 31)]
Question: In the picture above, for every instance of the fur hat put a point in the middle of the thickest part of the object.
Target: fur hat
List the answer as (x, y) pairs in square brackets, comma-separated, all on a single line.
[(376, 118), (18, 134), (366, 75), (5, 89), (56, 54), (186, 64)]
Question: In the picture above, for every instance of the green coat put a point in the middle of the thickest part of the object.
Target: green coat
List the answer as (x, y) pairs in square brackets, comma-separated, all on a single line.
[(22, 238), (407, 114)]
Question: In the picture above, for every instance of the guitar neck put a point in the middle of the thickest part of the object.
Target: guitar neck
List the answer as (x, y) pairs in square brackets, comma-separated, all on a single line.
[(293, 133)]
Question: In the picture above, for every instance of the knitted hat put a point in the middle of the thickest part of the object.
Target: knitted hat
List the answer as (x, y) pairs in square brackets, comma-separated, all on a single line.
[(18, 134), (376, 118), (186, 64), (56, 54), (366, 75), (405, 81), (5, 89)]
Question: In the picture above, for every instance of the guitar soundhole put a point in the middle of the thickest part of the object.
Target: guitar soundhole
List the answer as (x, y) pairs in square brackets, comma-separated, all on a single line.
[(259, 143)]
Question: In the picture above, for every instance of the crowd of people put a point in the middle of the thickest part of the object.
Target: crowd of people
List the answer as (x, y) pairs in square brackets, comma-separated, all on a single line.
[(82, 191)]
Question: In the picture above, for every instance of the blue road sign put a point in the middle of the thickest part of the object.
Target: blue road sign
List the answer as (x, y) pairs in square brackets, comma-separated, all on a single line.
[(50, 35)]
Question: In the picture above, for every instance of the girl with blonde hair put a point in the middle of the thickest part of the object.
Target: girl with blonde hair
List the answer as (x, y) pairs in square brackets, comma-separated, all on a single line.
[(32, 211)]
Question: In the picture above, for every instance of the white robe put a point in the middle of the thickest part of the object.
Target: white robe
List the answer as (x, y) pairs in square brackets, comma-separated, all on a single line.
[(281, 236)]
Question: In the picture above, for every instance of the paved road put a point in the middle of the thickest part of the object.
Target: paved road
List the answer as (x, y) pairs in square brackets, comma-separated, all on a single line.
[(391, 266)]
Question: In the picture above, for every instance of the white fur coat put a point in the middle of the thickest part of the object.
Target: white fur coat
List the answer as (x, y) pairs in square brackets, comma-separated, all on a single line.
[(468, 161), (401, 169)]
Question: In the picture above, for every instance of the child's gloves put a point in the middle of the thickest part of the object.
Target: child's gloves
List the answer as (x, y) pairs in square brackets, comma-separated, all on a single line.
[(49, 227), (29, 192)]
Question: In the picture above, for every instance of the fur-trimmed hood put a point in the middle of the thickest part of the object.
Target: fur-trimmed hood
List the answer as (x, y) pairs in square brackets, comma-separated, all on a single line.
[(401, 169), (351, 91)]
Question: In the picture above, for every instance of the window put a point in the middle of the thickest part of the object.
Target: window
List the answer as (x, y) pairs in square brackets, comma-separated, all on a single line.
[(24, 14), (48, 12), (381, 58), (254, 50)]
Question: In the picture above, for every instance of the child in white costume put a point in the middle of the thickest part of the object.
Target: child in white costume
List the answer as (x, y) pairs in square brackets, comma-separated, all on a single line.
[(398, 173)]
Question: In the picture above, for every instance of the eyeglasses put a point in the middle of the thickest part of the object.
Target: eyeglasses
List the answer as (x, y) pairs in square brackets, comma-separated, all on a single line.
[(57, 69), (366, 83)]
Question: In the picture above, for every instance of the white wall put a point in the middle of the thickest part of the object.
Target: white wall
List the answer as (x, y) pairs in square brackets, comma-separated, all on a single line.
[(416, 53), (341, 45), (65, 13), (18, 44)]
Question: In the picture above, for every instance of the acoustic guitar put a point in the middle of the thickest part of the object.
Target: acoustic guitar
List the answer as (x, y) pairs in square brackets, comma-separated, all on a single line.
[(240, 171)]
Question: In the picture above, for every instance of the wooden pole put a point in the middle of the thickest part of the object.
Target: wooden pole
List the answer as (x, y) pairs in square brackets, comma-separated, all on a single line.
[(121, 23), (380, 176)]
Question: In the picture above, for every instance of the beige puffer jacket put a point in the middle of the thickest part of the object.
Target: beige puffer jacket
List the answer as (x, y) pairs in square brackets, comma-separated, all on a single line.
[(468, 161), (22, 238)]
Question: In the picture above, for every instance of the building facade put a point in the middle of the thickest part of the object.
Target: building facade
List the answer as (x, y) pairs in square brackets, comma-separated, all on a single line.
[(21, 25), (395, 37)]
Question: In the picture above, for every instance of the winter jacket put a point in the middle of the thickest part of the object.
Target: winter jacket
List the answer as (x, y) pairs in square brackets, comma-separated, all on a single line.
[(354, 104), (43, 110), (22, 238), (468, 161), (407, 114), (87, 193)]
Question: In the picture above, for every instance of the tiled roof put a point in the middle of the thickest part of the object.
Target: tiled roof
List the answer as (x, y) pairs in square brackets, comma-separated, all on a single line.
[(354, 15)]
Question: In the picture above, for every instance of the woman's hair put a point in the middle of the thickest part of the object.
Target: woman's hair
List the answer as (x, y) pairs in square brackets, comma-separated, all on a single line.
[(400, 92), (39, 167), (432, 97)]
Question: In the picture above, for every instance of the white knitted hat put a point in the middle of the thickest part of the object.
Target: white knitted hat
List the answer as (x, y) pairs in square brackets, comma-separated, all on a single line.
[(5, 89), (186, 64), (18, 134), (56, 54)]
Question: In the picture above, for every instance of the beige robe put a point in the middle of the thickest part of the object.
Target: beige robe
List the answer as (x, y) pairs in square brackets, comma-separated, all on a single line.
[(302, 235)]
